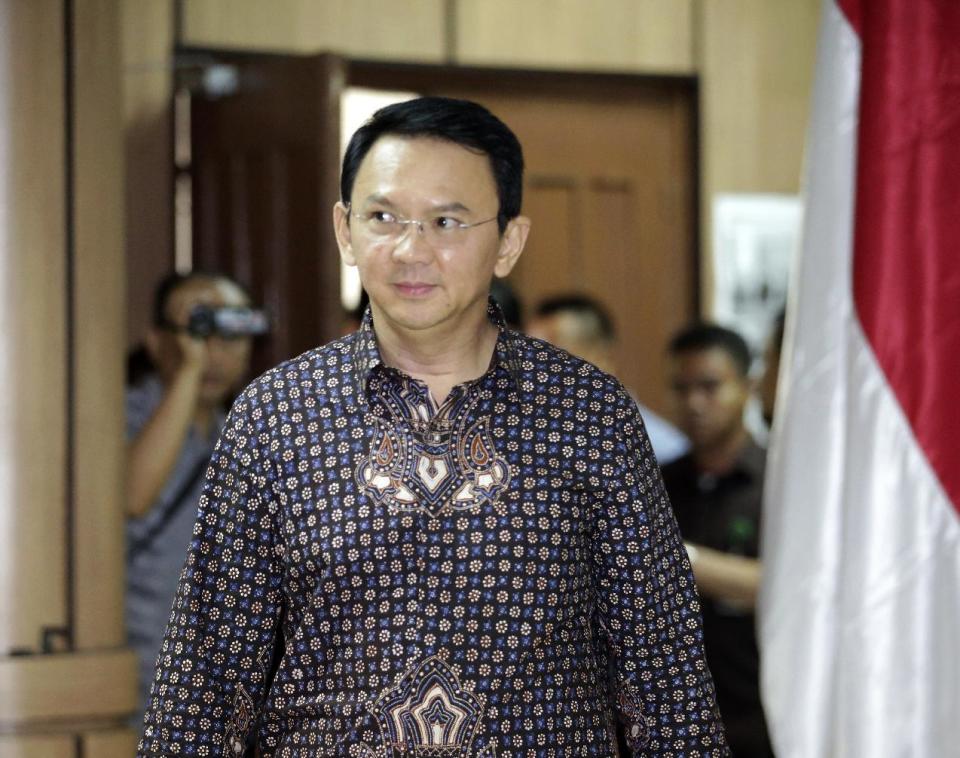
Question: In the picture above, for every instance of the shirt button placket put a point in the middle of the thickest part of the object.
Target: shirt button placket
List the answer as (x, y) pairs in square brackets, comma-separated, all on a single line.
[(413, 633)]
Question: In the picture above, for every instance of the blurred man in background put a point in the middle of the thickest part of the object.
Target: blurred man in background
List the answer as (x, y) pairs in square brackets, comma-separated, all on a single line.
[(583, 327), (716, 491), (199, 350)]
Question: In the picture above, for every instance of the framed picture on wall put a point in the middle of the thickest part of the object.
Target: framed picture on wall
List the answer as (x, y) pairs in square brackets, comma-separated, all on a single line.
[(755, 239)]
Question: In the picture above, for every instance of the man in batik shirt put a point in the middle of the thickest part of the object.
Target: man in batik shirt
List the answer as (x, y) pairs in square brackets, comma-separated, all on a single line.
[(426, 538)]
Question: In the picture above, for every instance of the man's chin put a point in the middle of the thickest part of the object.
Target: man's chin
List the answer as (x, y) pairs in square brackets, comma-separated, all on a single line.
[(416, 318)]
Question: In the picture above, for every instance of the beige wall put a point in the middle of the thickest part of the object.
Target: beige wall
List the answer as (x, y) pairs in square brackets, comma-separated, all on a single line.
[(621, 35), (754, 60), (765, 45), (651, 36), (412, 30)]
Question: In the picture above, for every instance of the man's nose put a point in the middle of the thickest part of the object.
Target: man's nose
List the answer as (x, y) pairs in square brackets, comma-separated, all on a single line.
[(685, 398), (412, 243), (696, 399)]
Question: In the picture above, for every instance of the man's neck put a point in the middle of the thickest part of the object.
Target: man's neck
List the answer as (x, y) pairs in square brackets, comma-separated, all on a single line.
[(720, 458), (441, 358)]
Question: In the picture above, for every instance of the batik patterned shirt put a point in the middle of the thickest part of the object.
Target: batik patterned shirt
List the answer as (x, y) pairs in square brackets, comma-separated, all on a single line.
[(373, 575)]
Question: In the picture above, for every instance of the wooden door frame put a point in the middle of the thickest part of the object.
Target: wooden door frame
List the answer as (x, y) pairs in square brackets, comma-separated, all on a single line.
[(330, 67)]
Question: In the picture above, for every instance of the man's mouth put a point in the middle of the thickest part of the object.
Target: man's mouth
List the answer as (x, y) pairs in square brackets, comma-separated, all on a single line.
[(414, 289)]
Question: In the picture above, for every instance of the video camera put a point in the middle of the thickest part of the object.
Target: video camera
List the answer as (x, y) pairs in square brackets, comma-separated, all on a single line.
[(227, 322)]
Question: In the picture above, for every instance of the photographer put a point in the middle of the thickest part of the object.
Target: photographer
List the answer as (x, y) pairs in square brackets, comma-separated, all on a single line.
[(199, 350)]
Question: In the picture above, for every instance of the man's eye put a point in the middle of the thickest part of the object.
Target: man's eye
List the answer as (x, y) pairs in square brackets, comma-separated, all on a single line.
[(446, 223), (382, 217)]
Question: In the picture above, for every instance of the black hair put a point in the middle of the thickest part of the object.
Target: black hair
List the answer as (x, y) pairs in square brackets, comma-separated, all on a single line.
[(510, 306), (139, 364), (462, 122), (706, 336), (356, 313), (596, 319)]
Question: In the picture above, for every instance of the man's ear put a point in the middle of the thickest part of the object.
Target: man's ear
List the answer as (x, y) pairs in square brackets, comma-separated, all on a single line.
[(512, 242), (341, 227)]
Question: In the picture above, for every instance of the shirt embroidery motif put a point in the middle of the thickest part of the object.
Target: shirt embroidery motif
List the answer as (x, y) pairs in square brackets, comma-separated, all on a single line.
[(431, 464), (235, 739), (428, 714)]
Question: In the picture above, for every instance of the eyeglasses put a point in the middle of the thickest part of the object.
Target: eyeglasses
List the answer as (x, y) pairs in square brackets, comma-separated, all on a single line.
[(438, 231)]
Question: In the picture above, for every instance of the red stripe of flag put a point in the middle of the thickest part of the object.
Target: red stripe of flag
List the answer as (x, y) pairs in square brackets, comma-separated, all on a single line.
[(906, 268), (851, 9)]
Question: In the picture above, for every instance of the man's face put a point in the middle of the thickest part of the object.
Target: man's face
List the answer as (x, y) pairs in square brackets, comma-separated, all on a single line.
[(226, 360), (710, 395), (415, 285)]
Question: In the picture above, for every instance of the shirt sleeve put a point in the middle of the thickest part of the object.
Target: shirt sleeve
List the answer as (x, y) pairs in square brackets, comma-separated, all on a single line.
[(647, 607), (213, 668)]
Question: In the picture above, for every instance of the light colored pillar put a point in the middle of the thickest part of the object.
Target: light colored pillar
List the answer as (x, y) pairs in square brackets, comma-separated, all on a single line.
[(67, 683)]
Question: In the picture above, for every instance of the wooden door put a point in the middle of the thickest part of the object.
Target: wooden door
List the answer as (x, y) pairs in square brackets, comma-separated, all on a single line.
[(610, 192), (610, 188), (264, 176)]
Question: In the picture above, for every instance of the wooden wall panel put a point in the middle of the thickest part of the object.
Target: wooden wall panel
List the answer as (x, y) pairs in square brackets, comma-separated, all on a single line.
[(412, 30), (147, 92), (556, 199), (756, 67), (33, 339), (757, 59), (610, 193), (115, 743), (626, 35), (99, 333), (649, 36), (38, 689), (38, 746)]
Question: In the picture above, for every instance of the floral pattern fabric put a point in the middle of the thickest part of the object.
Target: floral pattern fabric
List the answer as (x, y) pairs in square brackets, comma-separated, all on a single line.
[(375, 576)]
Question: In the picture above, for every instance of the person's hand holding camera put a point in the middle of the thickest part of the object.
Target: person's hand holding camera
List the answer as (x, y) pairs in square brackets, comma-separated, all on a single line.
[(192, 348)]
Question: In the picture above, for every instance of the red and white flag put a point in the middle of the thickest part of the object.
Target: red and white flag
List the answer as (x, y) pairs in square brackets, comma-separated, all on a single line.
[(860, 606)]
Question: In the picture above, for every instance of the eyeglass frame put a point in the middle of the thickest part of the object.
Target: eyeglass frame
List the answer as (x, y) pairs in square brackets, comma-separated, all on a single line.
[(406, 222)]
